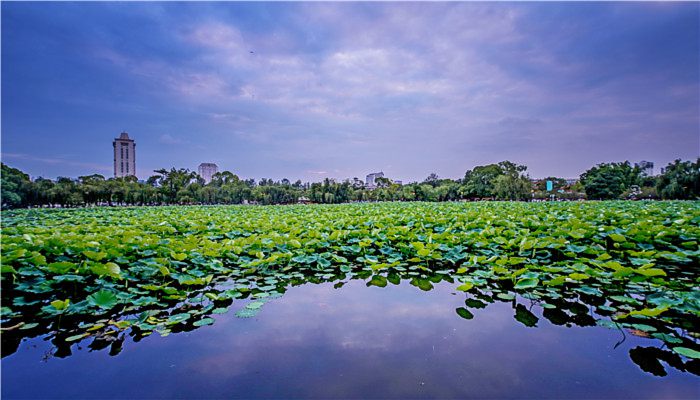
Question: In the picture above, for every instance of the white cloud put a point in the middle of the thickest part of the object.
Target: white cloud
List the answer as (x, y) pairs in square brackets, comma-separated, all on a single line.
[(167, 138), (377, 81), (57, 161)]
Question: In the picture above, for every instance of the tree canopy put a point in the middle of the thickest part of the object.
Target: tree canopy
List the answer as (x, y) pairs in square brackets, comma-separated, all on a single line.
[(503, 181), (680, 180)]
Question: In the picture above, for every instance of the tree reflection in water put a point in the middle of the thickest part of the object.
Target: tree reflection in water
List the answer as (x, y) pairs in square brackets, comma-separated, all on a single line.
[(164, 316)]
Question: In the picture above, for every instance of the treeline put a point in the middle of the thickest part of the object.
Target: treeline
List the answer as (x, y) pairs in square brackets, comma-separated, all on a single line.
[(502, 181)]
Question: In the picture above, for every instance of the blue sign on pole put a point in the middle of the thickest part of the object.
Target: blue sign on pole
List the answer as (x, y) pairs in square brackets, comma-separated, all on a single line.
[(550, 186)]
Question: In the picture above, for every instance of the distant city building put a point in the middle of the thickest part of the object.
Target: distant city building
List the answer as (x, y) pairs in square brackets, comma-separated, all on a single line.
[(207, 171), (124, 156), (398, 182), (571, 181), (647, 167), (370, 182)]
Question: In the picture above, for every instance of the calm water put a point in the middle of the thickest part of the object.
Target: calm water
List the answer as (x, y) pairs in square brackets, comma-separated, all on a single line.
[(354, 342)]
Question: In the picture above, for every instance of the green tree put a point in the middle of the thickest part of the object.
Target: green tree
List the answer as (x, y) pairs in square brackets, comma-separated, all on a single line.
[(508, 187), (433, 179), (15, 187), (478, 183), (93, 188), (680, 180), (173, 181), (40, 192), (610, 181), (66, 192), (481, 182)]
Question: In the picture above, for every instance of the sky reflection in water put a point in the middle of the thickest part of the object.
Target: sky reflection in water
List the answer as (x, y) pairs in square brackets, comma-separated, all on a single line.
[(354, 342)]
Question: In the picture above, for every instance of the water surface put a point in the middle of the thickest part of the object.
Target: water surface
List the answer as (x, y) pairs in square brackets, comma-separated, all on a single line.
[(356, 342)]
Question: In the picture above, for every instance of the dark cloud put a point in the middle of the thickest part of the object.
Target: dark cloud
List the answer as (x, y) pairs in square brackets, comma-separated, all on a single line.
[(294, 89)]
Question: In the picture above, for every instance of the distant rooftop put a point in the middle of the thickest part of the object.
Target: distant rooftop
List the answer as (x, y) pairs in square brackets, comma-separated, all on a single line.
[(124, 136)]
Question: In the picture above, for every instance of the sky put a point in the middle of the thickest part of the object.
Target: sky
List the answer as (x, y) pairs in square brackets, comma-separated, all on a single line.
[(338, 90)]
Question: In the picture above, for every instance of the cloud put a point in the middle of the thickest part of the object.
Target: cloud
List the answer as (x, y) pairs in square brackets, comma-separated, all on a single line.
[(519, 122), (57, 161), (424, 86), (170, 139)]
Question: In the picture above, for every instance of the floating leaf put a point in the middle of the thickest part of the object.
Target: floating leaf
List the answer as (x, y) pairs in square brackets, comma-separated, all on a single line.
[(177, 318), (465, 286), (254, 305), (617, 237), (60, 305), (76, 337), (246, 313), (204, 321), (104, 299), (377, 280), (527, 283), (684, 351), (525, 317), (464, 313)]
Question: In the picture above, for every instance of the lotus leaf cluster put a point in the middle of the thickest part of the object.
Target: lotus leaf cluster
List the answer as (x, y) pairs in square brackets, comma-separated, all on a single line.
[(101, 273)]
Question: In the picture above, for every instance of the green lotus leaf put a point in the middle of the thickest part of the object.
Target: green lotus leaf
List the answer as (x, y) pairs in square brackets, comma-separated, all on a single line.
[(465, 286), (60, 305), (246, 313), (254, 305), (177, 318), (690, 353), (94, 255), (377, 280), (617, 237), (526, 283), (204, 321), (76, 337), (104, 299), (464, 313)]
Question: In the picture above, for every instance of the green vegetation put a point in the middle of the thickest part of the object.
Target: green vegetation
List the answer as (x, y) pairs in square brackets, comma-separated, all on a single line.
[(681, 180), (101, 273), (609, 181), (503, 181)]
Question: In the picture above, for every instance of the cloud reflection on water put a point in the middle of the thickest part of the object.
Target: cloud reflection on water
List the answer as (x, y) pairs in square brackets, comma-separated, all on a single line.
[(356, 342)]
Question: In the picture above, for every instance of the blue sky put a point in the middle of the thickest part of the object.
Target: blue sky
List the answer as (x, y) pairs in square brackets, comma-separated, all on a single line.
[(314, 90)]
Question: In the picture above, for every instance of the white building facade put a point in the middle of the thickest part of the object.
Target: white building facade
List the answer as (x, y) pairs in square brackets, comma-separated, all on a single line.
[(124, 156), (207, 171), (370, 182)]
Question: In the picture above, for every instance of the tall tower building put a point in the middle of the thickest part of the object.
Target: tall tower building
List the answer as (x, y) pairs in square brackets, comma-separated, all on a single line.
[(124, 156), (207, 170)]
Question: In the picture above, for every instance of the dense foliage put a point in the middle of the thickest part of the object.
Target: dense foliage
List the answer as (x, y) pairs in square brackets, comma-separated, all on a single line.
[(609, 181), (103, 273), (681, 180), (504, 181)]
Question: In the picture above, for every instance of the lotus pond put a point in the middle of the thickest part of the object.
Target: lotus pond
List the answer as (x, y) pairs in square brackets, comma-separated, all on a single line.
[(596, 299)]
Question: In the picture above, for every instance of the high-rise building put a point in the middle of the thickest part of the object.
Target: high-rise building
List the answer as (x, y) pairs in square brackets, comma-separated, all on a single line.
[(124, 156), (647, 167), (370, 182), (207, 171)]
